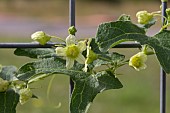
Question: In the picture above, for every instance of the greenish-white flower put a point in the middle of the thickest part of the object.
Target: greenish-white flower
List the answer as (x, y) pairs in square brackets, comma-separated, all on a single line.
[(138, 61), (3, 85), (72, 51), (144, 17), (25, 95), (41, 37)]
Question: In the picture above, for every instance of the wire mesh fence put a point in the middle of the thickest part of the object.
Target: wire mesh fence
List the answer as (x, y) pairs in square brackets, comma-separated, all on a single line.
[(123, 45)]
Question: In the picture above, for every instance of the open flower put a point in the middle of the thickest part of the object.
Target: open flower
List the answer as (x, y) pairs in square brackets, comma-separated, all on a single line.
[(41, 37), (25, 95), (138, 61), (72, 51), (3, 85), (144, 17)]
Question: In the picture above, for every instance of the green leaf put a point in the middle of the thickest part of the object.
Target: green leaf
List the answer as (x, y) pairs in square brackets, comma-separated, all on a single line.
[(113, 33), (49, 66), (8, 101), (86, 90), (35, 52), (8, 73), (94, 47), (161, 44)]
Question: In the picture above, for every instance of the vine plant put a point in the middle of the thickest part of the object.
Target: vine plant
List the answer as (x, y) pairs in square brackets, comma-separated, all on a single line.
[(79, 60)]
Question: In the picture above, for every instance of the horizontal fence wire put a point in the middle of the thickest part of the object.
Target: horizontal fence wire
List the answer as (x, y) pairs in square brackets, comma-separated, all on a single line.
[(50, 45)]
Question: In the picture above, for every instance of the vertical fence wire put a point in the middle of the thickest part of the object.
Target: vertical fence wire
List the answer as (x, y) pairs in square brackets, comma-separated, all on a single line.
[(71, 23), (162, 73)]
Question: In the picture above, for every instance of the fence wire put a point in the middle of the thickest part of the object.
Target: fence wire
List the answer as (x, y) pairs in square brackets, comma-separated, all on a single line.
[(123, 45)]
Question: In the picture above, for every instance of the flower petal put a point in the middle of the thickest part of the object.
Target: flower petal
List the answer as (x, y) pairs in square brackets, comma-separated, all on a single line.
[(143, 57), (81, 45), (81, 59), (69, 62), (71, 39), (60, 51), (143, 66)]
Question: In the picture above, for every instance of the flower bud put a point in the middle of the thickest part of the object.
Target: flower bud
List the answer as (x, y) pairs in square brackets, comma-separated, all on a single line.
[(3, 85), (41, 37), (25, 95), (168, 12), (72, 30), (144, 17), (138, 61)]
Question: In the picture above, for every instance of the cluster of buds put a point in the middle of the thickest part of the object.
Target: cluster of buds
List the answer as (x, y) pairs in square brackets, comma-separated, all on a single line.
[(144, 17)]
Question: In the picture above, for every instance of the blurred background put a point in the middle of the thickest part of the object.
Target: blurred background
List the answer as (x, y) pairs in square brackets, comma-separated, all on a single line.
[(20, 18)]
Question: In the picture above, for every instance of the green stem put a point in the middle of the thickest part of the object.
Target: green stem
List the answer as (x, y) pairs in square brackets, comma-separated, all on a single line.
[(164, 27), (59, 45), (145, 50), (150, 53), (156, 14), (123, 63), (48, 93), (58, 38), (102, 58), (49, 87)]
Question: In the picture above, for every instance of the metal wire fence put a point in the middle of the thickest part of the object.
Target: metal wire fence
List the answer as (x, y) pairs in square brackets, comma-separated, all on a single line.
[(123, 45)]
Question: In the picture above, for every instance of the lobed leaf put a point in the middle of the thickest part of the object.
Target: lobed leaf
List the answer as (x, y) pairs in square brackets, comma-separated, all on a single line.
[(113, 33), (49, 66), (86, 90), (161, 44)]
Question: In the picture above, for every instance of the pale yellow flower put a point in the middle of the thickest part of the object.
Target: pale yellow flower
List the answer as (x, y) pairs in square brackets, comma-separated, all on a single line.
[(138, 61), (25, 95), (41, 37), (72, 51), (144, 17), (3, 85)]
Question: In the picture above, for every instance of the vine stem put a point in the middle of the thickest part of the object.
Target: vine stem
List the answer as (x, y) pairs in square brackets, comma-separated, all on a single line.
[(145, 50), (100, 57), (58, 38), (49, 88)]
